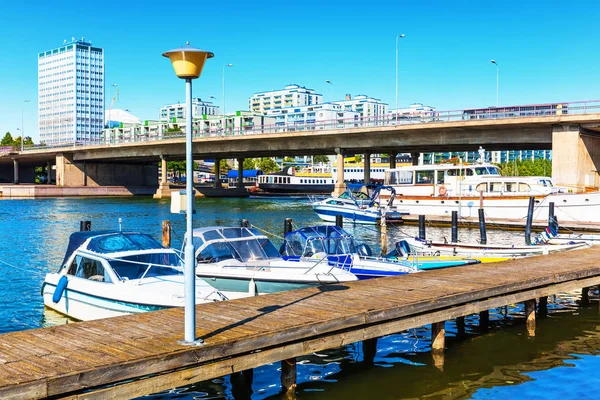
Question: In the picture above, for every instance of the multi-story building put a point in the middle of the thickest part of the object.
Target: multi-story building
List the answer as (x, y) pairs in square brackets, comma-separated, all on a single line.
[(71, 93), (199, 108), (290, 96), (416, 112), (521, 155), (313, 117), (367, 107)]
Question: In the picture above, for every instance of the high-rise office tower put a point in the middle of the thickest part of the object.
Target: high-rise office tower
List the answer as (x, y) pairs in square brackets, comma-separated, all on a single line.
[(71, 93)]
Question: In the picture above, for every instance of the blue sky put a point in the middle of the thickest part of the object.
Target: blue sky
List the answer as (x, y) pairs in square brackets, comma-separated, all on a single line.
[(547, 51)]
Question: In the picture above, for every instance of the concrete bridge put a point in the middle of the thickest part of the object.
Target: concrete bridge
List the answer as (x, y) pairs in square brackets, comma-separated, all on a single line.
[(573, 138)]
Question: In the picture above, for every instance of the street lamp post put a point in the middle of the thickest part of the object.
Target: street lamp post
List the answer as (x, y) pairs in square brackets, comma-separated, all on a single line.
[(188, 63), (397, 37), (114, 85), (330, 90), (22, 127), (497, 68), (223, 99)]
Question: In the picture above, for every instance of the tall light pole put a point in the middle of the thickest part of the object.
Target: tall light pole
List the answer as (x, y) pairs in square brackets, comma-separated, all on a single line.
[(114, 85), (330, 89), (224, 118), (22, 127), (188, 63), (400, 36), (497, 68)]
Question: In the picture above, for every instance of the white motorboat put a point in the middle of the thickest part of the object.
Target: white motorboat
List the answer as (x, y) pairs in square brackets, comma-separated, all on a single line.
[(241, 259), (443, 188), (421, 247), (359, 207), (107, 274)]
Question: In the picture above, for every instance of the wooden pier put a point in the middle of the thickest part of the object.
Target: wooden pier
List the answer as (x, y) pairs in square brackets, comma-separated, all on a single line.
[(131, 356)]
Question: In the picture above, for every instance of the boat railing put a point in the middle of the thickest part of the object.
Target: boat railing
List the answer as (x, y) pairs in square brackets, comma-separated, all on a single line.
[(321, 260)]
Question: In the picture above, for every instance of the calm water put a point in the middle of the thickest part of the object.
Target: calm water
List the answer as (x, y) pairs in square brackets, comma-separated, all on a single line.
[(560, 362)]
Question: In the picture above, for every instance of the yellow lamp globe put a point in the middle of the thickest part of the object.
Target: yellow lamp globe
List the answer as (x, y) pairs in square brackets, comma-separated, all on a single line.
[(188, 61)]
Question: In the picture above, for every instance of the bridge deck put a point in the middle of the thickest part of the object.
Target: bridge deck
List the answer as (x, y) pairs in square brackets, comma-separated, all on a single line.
[(76, 359)]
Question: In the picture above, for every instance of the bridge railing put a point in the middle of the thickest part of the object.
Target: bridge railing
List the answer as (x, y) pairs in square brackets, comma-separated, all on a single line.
[(117, 136)]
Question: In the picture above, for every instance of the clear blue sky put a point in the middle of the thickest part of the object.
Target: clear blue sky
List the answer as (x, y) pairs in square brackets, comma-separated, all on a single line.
[(547, 51)]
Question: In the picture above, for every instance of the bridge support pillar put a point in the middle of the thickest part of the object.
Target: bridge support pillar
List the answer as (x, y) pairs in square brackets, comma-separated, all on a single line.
[(48, 173), (438, 343), (367, 168), (340, 185), (240, 182), (575, 157), (288, 377), (217, 173), (15, 171), (164, 189), (393, 160), (415, 158)]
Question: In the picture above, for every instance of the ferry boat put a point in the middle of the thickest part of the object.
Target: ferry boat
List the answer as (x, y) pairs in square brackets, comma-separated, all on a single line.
[(290, 181), (443, 188)]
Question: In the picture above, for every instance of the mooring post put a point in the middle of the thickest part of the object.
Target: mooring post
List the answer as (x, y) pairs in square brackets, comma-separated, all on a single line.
[(529, 220), (484, 320), (585, 296), (85, 226), (287, 226), (241, 384), (288, 376), (383, 236), (339, 220), (530, 316), (369, 350), (245, 223), (166, 233), (542, 308), (438, 343), (460, 327), (422, 227), (454, 226), (482, 232)]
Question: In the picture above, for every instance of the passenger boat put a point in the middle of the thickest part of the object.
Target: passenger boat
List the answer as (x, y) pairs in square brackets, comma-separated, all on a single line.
[(428, 248), (290, 181), (360, 207), (107, 274), (340, 249), (239, 258), (443, 188)]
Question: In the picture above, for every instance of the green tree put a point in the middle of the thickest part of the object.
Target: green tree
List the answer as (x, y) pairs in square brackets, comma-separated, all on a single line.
[(267, 165), (358, 158), (7, 140), (321, 159), (249, 163), (223, 167), (538, 167)]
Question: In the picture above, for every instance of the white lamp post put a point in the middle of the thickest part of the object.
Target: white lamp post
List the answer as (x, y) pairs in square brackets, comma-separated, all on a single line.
[(397, 37), (497, 68), (188, 63), (224, 117), (22, 127), (114, 85), (330, 90)]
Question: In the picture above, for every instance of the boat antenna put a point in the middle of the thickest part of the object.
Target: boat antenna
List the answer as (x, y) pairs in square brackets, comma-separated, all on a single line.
[(120, 224)]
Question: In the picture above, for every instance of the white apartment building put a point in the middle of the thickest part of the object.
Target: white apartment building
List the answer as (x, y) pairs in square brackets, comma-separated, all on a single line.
[(313, 117), (290, 96), (367, 107), (71, 93), (415, 112), (199, 108)]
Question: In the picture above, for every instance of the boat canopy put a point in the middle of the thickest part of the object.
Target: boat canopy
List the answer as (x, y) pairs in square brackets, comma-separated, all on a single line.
[(247, 173), (243, 244), (104, 242), (315, 239)]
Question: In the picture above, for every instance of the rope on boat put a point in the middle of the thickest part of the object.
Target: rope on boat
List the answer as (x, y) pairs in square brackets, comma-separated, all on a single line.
[(267, 232)]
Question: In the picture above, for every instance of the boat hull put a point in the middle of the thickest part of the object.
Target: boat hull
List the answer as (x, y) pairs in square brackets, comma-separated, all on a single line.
[(329, 213), (262, 286)]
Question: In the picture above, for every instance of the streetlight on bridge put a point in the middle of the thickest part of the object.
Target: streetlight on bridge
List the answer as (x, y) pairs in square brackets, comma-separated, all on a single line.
[(188, 62), (223, 99), (330, 89), (497, 68), (22, 127), (397, 37)]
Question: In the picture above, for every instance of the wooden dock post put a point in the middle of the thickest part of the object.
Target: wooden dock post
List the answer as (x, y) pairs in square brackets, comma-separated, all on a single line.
[(482, 232), (287, 226), (454, 226), (585, 296), (241, 384), (542, 310), (530, 317), (529, 221), (166, 233), (484, 321), (460, 327), (245, 223), (369, 347), (85, 226), (422, 227), (438, 343), (383, 236), (288, 377), (339, 220)]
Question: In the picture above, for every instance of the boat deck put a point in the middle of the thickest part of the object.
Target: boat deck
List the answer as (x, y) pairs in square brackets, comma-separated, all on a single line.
[(139, 354)]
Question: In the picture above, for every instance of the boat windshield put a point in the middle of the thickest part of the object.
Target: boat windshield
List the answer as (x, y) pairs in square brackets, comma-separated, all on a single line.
[(329, 245), (134, 267), (254, 249), (119, 242)]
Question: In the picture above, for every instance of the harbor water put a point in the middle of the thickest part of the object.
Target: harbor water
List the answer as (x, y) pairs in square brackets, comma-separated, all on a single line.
[(559, 362)]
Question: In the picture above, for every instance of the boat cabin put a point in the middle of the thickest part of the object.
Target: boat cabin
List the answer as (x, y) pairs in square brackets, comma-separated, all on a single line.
[(214, 244)]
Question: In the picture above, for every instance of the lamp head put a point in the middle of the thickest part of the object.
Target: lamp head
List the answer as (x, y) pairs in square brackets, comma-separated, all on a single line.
[(328, 81), (188, 61), (401, 35), (494, 62)]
